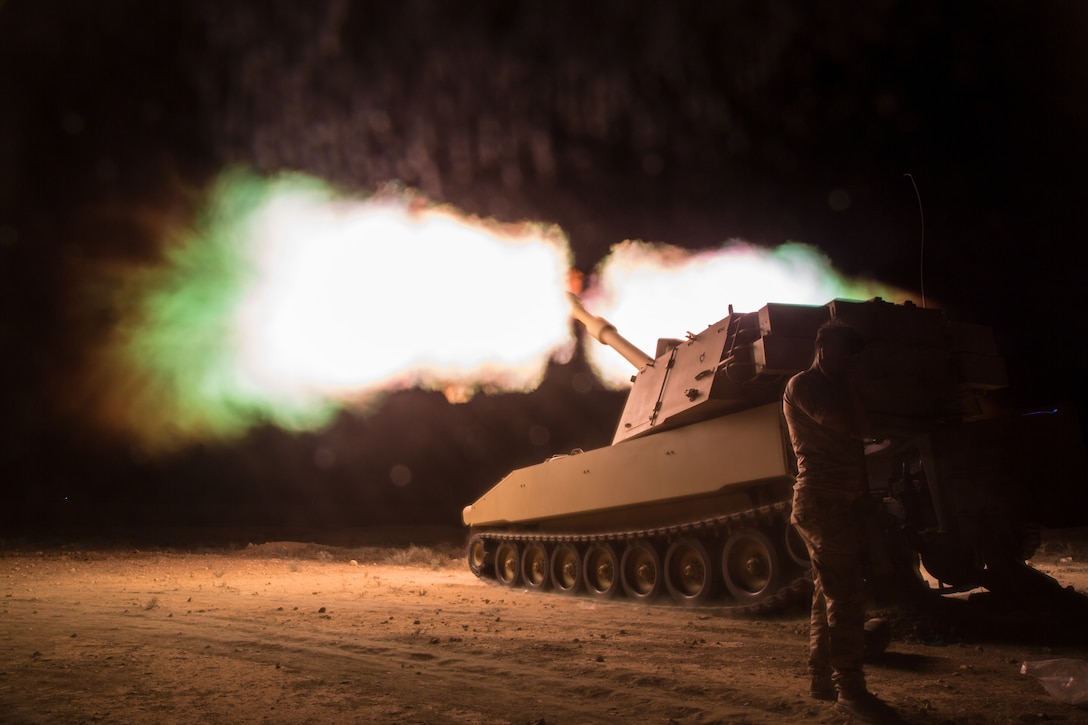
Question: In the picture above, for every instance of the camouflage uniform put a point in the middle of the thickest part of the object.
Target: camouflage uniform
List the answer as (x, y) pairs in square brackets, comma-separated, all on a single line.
[(830, 505)]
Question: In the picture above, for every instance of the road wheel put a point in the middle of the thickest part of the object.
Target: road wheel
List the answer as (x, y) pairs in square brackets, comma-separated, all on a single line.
[(690, 572), (566, 568), (535, 569), (640, 571), (751, 568), (507, 563), (602, 570), (479, 558)]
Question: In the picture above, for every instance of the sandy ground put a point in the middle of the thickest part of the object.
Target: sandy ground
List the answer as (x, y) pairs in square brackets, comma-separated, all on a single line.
[(295, 633)]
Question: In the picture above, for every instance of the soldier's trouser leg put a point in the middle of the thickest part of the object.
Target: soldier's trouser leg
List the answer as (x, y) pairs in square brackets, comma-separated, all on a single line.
[(834, 537), (819, 659)]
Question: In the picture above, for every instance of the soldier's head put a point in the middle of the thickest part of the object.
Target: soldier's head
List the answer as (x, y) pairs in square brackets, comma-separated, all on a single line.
[(837, 347)]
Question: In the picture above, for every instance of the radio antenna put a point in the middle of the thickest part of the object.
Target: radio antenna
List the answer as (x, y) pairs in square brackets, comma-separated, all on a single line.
[(922, 245)]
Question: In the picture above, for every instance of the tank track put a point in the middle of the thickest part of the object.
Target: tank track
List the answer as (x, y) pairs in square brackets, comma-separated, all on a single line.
[(796, 592)]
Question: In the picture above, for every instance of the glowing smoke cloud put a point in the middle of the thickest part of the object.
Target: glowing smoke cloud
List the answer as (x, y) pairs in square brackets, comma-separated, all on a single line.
[(288, 301), (650, 291)]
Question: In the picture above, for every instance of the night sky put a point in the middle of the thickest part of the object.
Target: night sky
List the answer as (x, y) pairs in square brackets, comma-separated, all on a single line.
[(689, 123)]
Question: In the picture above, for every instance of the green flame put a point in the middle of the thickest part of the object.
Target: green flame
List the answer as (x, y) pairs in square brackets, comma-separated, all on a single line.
[(179, 339)]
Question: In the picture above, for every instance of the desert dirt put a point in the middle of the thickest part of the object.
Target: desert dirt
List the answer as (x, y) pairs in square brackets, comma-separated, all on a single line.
[(288, 632)]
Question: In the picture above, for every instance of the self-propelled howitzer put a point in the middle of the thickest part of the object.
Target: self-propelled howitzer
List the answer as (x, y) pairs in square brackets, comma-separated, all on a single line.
[(693, 496)]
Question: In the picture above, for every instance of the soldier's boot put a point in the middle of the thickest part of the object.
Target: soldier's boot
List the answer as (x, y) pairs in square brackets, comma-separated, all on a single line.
[(867, 707), (821, 686)]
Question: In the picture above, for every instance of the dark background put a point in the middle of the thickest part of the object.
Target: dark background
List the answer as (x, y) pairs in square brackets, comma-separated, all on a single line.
[(686, 122)]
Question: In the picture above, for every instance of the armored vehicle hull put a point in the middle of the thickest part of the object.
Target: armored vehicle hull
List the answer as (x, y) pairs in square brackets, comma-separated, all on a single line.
[(691, 501)]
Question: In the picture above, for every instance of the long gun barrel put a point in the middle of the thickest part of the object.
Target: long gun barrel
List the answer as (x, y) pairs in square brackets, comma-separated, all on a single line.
[(604, 332)]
